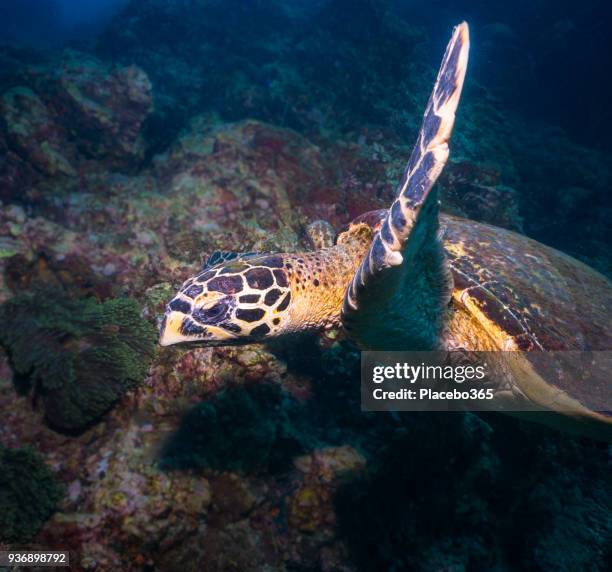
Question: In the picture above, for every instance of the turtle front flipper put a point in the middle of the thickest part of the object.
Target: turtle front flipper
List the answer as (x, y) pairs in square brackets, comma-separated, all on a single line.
[(398, 296)]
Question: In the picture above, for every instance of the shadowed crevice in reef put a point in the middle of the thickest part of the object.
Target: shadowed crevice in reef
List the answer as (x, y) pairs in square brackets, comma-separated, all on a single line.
[(478, 493), (252, 428), (263, 426), (334, 402)]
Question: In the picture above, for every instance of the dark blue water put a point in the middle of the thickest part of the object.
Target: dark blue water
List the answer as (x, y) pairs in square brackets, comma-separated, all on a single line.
[(550, 60), (51, 22)]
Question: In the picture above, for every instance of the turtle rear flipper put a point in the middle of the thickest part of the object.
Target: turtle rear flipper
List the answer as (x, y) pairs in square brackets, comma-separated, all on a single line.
[(398, 295)]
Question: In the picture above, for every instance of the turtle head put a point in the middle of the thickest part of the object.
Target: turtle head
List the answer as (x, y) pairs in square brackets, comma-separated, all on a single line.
[(230, 304)]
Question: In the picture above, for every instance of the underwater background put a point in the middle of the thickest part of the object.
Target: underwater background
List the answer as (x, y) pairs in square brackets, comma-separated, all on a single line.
[(137, 137)]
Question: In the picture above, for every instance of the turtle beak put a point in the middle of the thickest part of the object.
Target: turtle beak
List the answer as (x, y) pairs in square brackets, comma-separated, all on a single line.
[(170, 332)]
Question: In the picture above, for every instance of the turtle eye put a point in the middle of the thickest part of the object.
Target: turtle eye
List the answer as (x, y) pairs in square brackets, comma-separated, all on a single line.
[(212, 314)]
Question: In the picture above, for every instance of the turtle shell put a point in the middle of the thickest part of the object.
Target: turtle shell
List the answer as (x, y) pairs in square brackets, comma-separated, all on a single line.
[(529, 297)]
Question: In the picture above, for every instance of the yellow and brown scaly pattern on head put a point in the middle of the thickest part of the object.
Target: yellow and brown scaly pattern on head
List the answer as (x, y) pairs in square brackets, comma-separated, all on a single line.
[(237, 301), (262, 296)]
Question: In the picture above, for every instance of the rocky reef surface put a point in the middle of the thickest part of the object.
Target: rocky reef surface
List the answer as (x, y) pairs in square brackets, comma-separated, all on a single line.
[(191, 129)]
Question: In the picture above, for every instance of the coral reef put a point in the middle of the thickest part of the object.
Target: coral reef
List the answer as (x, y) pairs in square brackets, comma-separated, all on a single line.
[(32, 133), (70, 117), (74, 115), (79, 356), (331, 78), (284, 69), (29, 494), (203, 125)]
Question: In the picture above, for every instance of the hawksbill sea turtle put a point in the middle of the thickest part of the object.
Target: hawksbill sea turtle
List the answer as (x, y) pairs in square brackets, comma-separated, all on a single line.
[(410, 278)]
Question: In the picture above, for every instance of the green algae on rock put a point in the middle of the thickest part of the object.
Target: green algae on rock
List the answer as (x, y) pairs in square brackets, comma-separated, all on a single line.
[(79, 356), (28, 494)]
